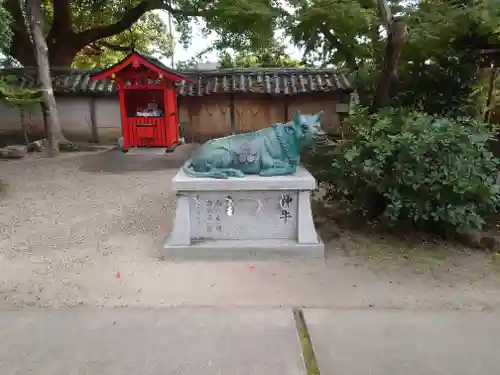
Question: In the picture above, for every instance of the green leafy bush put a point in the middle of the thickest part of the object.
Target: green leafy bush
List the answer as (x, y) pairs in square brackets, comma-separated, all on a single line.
[(409, 165)]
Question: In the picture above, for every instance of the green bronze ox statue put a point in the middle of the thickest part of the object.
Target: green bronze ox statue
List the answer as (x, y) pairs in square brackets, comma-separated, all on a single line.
[(273, 151)]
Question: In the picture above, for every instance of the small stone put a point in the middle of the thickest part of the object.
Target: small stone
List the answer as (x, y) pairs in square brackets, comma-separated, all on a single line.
[(371, 305), (21, 149), (490, 241), (120, 143), (68, 146), (471, 238), (13, 152), (36, 146)]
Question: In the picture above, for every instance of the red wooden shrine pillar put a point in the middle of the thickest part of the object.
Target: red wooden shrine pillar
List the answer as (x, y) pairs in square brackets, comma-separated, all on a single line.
[(123, 113), (171, 117)]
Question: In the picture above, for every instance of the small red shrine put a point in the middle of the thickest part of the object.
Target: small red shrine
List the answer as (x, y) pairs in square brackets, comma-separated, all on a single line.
[(148, 101)]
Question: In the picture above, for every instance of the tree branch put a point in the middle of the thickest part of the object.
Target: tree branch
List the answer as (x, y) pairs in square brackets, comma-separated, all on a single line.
[(129, 18), (114, 47)]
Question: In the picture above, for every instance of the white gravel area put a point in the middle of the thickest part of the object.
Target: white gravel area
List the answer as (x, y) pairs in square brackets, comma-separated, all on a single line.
[(55, 220), (71, 238)]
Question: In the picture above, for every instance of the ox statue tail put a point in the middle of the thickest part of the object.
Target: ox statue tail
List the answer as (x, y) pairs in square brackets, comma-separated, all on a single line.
[(189, 171)]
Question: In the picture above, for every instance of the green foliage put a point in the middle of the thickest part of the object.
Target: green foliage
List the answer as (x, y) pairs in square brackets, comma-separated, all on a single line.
[(5, 29), (339, 32), (148, 34), (439, 66), (437, 71), (407, 165), (271, 56), (238, 24), (110, 28), (446, 88), (17, 97)]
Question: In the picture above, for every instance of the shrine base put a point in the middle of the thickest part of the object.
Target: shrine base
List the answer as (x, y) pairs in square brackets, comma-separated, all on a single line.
[(250, 217)]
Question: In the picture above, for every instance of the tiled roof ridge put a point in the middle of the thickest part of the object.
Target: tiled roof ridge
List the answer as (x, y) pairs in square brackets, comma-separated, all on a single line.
[(273, 81)]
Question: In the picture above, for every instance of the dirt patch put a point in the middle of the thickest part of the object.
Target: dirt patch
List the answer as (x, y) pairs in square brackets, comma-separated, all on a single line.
[(402, 251)]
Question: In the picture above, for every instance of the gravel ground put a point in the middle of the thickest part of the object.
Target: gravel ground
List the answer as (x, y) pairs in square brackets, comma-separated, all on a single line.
[(55, 220), (70, 237)]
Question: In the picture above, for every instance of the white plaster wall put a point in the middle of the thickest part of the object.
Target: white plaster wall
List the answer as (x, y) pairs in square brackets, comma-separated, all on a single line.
[(10, 118), (107, 111), (74, 115), (108, 120)]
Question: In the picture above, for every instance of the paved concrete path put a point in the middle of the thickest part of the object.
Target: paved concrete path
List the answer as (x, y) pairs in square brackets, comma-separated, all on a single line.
[(403, 342), (194, 341), (149, 342)]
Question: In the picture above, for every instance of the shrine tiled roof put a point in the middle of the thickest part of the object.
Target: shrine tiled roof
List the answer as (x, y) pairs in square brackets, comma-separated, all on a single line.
[(271, 81)]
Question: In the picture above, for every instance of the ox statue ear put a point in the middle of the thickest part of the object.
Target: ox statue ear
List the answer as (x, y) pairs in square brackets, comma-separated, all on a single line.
[(296, 118), (319, 116)]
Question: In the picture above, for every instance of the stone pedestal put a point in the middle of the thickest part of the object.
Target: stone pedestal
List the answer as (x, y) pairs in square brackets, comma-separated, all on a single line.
[(244, 217)]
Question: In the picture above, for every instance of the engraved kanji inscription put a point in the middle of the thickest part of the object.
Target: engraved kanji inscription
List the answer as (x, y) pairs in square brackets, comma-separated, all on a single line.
[(285, 216)]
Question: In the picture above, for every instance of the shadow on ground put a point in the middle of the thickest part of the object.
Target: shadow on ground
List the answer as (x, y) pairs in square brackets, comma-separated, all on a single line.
[(115, 161)]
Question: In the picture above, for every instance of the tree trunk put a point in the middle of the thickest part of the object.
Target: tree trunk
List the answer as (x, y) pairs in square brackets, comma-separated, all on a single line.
[(54, 134), (491, 89), (397, 33)]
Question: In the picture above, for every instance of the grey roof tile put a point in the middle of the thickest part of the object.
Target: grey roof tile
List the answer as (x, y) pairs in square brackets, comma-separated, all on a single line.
[(271, 81)]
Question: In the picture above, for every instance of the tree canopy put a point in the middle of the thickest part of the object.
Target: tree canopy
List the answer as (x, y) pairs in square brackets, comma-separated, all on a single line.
[(147, 35), (271, 56), (448, 39), (84, 27), (345, 33)]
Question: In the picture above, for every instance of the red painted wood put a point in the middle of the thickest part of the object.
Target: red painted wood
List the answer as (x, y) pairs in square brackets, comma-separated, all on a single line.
[(146, 136), (143, 87), (172, 118), (123, 116), (146, 133), (163, 131), (148, 84), (112, 70), (136, 61), (166, 133)]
